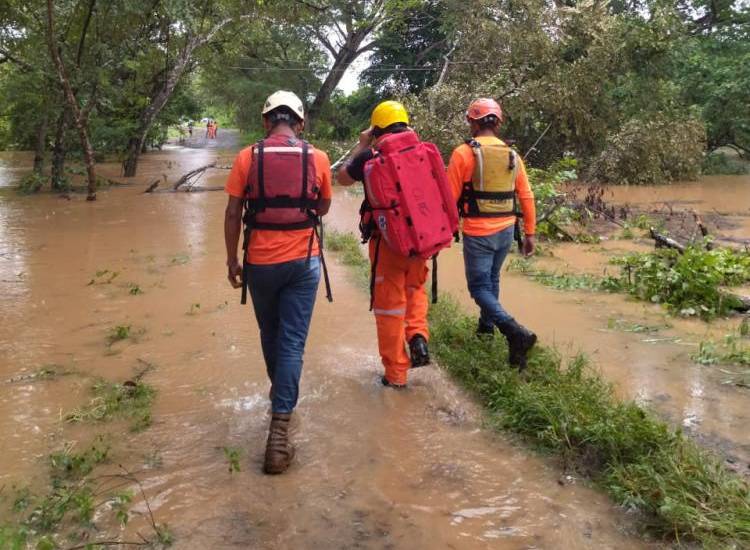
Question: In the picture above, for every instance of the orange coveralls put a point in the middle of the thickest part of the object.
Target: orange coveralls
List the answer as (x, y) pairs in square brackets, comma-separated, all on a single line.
[(400, 306)]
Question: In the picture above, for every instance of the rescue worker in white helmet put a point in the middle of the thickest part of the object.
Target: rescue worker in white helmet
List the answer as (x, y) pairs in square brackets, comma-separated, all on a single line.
[(284, 185)]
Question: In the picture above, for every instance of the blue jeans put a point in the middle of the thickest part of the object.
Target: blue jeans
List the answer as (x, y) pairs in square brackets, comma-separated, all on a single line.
[(283, 298), (483, 258)]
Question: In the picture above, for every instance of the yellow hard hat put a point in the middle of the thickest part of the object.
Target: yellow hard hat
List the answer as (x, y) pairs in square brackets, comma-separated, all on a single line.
[(387, 113)]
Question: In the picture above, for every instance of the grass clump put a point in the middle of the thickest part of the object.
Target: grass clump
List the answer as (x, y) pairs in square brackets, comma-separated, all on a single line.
[(119, 332), (688, 283), (103, 277), (233, 456), (75, 506), (68, 507), (130, 400), (729, 352), (134, 289), (571, 411), (349, 249), (563, 281)]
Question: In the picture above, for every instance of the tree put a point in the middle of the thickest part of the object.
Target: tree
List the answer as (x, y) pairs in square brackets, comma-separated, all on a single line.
[(183, 31), (343, 28), (80, 113), (417, 41)]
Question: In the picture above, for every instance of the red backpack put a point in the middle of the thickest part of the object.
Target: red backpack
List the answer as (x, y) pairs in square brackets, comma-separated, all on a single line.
[(408, 197), (408, 200)]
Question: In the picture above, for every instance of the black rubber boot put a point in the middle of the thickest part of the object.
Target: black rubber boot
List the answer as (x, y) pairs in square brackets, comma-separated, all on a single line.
[(420, 355), (520, 341), (484, 330), (388, 384)]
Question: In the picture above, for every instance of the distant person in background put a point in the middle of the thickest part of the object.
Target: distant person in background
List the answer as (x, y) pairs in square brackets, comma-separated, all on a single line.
[(190, 127), (216, 129), (208, 128)]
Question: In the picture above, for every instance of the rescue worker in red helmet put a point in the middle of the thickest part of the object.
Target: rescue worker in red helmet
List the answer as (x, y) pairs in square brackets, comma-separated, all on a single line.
[(488, 178), (399, 298), (281, 258)]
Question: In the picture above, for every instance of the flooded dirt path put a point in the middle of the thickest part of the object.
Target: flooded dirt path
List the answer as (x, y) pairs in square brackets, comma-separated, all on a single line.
[(375, 469), (652, 365)]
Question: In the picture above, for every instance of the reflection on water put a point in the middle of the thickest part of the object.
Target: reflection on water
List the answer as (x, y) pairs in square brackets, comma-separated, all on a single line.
[(13, 166)]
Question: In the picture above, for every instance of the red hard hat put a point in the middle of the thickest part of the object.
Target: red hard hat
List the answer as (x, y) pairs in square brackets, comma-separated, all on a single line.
[(482, 107)]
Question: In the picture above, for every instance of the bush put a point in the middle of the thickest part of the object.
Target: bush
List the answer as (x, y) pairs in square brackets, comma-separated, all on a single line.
[(721, 164), (652, 150), (687, 283)]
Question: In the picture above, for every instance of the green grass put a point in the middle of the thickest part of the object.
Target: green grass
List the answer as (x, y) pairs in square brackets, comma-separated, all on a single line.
[(130, 400), (349, 249), (69, 506), (562, 280), (233, 456), (688, 284), (119, 332), (569, 410)]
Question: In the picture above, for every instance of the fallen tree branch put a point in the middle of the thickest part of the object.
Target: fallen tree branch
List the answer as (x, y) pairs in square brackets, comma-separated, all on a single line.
[(564, 234), (153, 186), (662, 241), (191, 175)]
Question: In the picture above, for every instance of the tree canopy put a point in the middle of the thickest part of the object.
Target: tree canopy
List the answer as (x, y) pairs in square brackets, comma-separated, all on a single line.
[(609, 82)]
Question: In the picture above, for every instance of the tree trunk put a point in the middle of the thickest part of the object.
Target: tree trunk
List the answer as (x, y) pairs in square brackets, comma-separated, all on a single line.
[(41, 146), (148, 116), (138, 140), (58, 152), (344, 58), (80, 117)]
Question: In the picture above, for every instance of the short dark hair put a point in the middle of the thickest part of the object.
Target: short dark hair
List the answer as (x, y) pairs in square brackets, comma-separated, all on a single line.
[(489, 122), (283, 115), (394, 128)]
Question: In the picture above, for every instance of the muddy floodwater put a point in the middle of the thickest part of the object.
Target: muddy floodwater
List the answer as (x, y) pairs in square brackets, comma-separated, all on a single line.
[(375, 468)]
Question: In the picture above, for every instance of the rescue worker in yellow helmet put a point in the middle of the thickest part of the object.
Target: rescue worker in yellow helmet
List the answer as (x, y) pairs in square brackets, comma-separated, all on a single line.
[(488, 178), (399, 299)]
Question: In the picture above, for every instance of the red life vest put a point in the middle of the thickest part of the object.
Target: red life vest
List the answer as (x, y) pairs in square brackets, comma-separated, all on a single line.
[(409, 200), (282, 190)]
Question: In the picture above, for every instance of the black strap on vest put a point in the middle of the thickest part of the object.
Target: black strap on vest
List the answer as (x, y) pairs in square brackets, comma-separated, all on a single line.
[(318, 232), (434, 279), (303, 193), (261, 178), (373, 270)]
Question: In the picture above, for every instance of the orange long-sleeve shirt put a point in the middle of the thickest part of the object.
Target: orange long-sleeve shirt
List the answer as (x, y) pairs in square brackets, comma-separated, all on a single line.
[(461, 170)]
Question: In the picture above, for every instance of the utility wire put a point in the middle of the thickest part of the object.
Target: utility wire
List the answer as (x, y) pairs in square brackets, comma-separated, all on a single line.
[(394, 68)]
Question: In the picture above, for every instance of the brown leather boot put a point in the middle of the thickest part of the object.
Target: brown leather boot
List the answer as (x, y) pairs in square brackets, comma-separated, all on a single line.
[(279, 451)]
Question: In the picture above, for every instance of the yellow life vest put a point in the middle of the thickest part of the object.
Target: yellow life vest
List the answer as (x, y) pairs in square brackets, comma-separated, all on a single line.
[(491, 192)]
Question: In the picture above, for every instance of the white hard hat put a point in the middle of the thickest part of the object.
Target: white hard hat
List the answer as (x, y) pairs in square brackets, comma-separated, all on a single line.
[(285, 99)]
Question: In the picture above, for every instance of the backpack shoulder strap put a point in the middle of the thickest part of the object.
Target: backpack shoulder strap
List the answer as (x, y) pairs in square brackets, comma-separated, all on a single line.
[(305, 160), (261, 183)]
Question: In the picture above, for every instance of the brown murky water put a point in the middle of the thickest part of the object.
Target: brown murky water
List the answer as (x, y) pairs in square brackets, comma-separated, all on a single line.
[(376, 468)]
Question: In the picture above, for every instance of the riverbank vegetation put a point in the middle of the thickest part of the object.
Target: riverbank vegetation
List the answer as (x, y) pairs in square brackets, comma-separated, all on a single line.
[(566, 409)]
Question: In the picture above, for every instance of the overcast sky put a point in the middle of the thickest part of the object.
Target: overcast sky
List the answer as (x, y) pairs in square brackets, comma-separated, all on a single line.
[(349, 81)]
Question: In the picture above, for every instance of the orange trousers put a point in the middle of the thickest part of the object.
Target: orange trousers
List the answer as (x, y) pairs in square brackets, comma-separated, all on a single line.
[(400, 306)]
